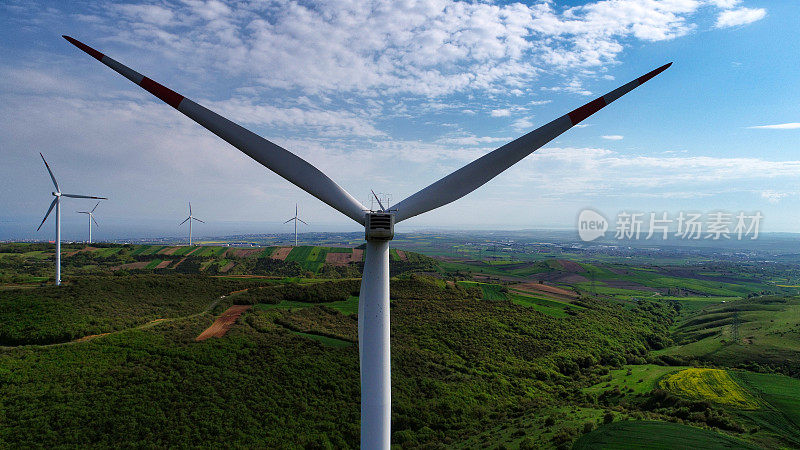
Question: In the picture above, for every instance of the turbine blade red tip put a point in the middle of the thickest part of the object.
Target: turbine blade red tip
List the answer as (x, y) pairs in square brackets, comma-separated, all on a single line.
[(579, 114), (646, 77), (92, 52), (166, 94)]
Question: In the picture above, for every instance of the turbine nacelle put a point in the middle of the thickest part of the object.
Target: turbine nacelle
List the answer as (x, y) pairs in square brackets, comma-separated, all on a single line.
[(379, 225)]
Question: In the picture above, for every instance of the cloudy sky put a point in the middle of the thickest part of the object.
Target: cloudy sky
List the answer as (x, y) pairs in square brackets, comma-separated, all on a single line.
[(391, 96)]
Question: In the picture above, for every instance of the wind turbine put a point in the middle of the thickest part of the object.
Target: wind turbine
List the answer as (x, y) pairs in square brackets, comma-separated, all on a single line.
[(90, 216), (190, 219), (295, 218), (57, 204), (373, 304)]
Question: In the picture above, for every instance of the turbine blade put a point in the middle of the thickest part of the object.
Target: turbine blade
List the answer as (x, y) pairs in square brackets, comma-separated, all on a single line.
[(279, 160), (94, 220), (52, 205), (82, 212), (83, 196), (301, 220), (289, 220), (95, 206), (479, 172), (52, 177), (195, 218), (379, 200), (184, 221), (190, 209)]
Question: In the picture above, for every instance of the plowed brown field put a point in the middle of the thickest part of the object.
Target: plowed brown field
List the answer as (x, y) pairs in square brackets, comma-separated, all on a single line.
[(536, 288), (281, 253), (223, 322)]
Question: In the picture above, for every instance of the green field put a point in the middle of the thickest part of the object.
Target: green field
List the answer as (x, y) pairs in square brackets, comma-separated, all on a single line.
[(635, 379), (656, 435), (768, 329), (779, 415), (349, 306), (714, 385)]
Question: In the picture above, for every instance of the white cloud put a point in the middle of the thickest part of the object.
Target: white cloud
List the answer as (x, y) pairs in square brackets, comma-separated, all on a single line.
[(500, 112), (427, 48), (739, 16), (725, 4), (773, 196), (778, 126), (613, 137), (523, 124), (574, 86), (473, 140)]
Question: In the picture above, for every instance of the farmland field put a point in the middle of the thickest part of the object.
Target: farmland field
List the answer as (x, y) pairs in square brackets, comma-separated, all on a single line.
[(656, 435), (637, 379), (709, 384), (504, 346)]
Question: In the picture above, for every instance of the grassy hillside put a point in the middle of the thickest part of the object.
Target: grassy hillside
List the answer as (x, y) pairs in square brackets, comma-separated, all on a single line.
[(656, 435), (462, 365), (95, 305), (525, 352), (768, 334)]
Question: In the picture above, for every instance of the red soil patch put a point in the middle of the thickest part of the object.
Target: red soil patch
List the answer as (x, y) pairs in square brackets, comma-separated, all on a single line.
[(622, 284), (227, 267), (571, 266), (338, 259), (281, 253), (163, 264), (196, 249), (358, 255), (244, 252), (223, 323), (536, 288), (179, 263), (572, 279), (84, 249), (168, 250), (402, 255)]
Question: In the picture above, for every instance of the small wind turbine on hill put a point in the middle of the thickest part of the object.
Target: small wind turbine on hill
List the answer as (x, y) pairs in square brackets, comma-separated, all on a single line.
[(90, 216), (295, 218), (57, 204), (373, 304), (190, 219)]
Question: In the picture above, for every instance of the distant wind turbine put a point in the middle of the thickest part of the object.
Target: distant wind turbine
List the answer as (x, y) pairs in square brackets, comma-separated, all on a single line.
[(295, 218), (57, 204), (90, 216), (190, 219), (373, 303)]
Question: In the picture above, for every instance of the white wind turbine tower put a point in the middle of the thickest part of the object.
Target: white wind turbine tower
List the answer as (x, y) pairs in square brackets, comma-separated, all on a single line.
[(57, 204), (295, 218), (373, 304), (90, 216), (190, 219)]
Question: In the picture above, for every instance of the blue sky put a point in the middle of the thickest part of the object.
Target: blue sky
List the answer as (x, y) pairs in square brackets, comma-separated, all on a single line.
[(392, 96)]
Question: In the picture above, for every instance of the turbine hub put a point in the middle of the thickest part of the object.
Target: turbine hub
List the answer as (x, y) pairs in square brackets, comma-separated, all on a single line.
[(57, 194), (379, 226)]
